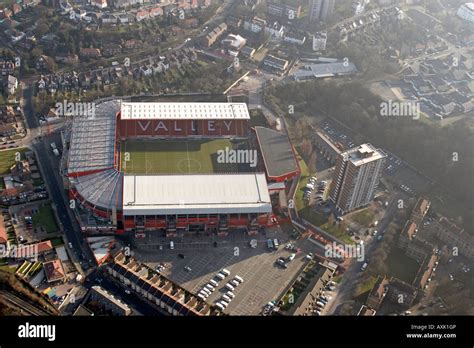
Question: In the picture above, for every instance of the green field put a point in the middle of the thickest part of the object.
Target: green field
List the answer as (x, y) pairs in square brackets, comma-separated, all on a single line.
[(45, 218), (178, 156), (7, 159)]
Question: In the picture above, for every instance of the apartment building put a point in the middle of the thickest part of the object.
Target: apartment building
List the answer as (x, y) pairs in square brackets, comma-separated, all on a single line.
[(321, 10), (356, 177)]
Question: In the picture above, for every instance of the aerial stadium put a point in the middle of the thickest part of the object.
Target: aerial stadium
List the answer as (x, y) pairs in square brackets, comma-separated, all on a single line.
[(174, 168)]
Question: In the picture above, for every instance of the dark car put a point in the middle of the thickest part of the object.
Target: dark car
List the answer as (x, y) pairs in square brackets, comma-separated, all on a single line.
[(281, 262), (181, 256)]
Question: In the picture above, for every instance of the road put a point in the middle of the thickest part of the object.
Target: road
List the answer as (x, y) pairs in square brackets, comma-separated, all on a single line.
[(54, 184), (346, 287)]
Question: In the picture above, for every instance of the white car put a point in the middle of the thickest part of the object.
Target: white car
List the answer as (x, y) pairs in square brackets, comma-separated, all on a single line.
[(291, 257)]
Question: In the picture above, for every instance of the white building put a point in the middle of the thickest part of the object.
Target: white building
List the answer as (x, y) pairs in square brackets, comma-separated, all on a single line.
[(319, 41), (466, 11)]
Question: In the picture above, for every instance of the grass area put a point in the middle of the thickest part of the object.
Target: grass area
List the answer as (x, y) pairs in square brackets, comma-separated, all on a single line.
[(310, 215), (299, 203), (7, 268), (57, 241), (401, 266), (45, 218), (364, 217), (175, 157), (38, 182), (7, 159), (362, 290), (337, 231)]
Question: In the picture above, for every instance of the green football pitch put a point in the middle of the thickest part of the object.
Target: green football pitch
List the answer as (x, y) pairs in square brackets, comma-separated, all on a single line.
[(177, 156)]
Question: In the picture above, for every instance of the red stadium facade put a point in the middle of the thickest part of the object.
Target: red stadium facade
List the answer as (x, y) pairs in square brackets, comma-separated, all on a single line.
[(181, 128)]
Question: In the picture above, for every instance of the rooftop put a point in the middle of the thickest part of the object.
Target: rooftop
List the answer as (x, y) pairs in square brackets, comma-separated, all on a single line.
[(195, 194), (363, 154), (277, 152), (103, 189), (93, 139), (54, 270), (189, 111)]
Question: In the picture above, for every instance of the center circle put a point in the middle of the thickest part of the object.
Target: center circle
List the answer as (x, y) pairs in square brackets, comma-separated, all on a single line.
[(189, 165)]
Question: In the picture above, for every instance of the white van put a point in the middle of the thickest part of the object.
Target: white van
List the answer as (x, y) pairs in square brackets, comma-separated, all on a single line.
[(223, 304), (206, 290), (210, 287), (172, 245), (239, 279), (221, 307), (227, 298), (220, 276), (234, 282), (214, 283), (202, 297), (225, 272), (229, 287)]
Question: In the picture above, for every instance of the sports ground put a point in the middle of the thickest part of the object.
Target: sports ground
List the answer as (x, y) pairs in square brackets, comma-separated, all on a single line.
[(177, 156)]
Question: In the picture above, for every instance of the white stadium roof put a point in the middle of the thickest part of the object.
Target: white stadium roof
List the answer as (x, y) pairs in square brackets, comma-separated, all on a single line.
[(93, 140), (185, 111), (195, 194)]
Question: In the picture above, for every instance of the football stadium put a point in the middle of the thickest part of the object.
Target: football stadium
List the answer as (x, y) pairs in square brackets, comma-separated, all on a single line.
[(174, 168)]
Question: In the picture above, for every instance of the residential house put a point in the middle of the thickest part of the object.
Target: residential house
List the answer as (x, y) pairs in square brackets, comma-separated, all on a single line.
[(275, 63), (11, 85), (142, 15), (214, 35), (401, 293), (87, 52), (99, 3), (455, 237), (7, 67), (247, 52)]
